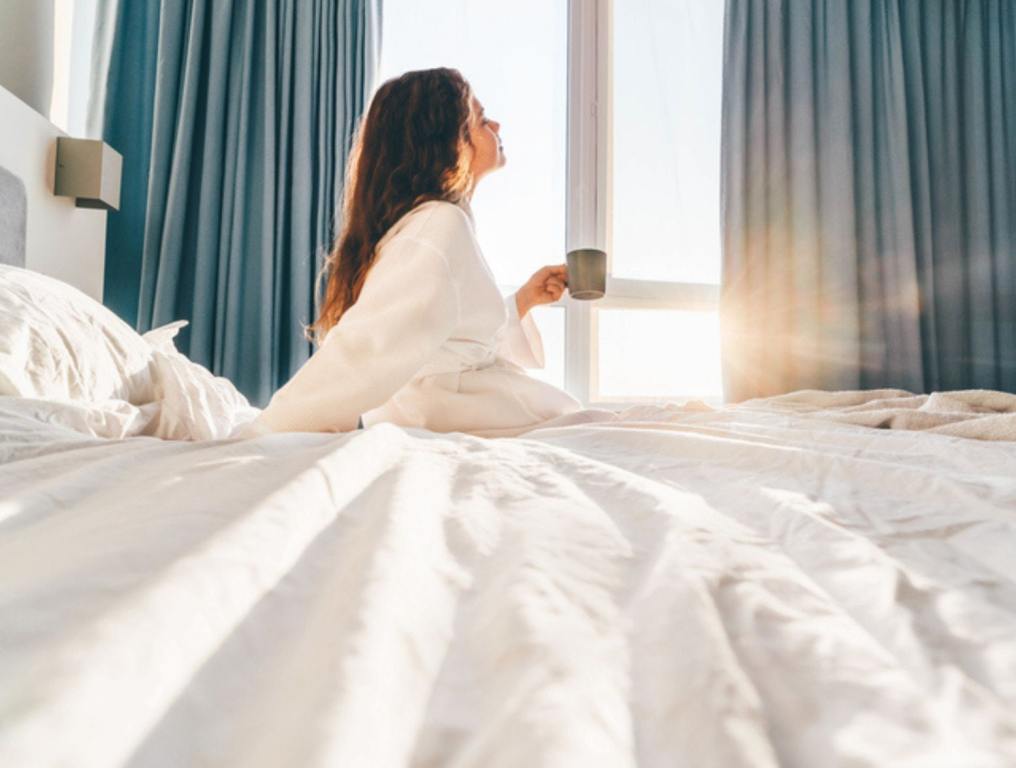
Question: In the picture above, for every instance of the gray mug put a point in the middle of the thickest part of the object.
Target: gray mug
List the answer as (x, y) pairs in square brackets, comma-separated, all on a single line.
[(587, 273)]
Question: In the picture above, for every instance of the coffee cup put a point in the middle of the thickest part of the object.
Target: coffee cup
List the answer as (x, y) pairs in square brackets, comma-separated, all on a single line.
[(587, 273)]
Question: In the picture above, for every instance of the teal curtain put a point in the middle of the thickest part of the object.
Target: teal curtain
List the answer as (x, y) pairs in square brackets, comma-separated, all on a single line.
[(869, 195), (130, 30), (236, 121)]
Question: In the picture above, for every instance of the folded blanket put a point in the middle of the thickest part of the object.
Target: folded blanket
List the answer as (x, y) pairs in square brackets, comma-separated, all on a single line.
[(975, 413)]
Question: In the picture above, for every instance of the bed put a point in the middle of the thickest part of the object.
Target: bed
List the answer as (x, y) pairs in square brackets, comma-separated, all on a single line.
[(824, 579)]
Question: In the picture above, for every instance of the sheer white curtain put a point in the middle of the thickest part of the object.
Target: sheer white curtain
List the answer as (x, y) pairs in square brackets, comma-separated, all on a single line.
[(74, 43)]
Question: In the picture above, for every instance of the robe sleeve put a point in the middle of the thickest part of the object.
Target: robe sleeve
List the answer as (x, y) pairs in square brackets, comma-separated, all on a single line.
[(407, 308), (520, 340)]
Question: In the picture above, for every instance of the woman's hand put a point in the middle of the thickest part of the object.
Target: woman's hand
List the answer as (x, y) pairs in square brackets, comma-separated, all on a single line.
[(545, 286)]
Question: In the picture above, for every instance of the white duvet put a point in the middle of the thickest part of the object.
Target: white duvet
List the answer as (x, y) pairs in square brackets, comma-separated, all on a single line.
[(740, 587)]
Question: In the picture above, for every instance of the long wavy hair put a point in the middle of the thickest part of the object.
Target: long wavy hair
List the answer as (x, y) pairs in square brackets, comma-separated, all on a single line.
[(413, 145)]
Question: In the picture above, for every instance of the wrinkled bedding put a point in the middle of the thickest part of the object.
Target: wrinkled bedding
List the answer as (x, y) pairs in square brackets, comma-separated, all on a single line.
[(745, 586), (975, 413)]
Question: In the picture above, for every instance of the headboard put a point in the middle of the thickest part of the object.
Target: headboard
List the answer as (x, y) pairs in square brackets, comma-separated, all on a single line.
[(13, 216)]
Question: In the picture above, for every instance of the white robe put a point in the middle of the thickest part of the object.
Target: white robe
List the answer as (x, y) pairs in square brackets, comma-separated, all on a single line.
[(430, 342)]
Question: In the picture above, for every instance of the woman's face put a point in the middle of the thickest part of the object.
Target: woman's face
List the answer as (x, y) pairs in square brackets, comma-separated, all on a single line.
[(488, 155)]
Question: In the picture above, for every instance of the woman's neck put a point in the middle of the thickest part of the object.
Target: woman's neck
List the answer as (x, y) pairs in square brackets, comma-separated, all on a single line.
[(465, 204)]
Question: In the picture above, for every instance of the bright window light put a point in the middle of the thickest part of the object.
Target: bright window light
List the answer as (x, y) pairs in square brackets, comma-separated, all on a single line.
[(666, 147), (665, 200), (74, 23), (63, 28), (678, 354)]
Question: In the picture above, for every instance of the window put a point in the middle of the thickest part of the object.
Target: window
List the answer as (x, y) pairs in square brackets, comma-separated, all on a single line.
[(664, 90), (73, 35), (690, 367), (665, 188), (610, 117)]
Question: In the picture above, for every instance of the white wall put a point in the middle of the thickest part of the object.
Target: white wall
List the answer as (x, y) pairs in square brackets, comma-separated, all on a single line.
[(61, 240), (26, 51)]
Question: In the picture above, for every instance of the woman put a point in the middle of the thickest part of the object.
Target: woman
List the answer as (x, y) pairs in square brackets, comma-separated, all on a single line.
[(413, 329)]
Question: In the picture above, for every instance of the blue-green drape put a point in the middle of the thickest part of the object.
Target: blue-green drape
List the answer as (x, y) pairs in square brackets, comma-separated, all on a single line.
[(869, 195), (235, 120)]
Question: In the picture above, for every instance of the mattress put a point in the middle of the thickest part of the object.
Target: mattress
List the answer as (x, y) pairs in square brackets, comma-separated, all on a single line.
[(744, 586)]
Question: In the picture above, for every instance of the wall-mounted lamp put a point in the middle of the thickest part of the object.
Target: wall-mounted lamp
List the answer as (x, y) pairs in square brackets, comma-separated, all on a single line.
[(89, 171)]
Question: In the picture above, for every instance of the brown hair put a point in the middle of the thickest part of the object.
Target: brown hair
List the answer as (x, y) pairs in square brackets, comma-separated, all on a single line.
[(409, 148)]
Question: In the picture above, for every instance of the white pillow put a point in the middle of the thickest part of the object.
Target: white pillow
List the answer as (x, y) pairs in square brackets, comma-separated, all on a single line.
[(57, 343), (111, 419), (194, 404)]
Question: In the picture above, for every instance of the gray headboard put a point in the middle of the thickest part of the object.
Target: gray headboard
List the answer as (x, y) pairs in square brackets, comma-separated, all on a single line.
[(13, 213)]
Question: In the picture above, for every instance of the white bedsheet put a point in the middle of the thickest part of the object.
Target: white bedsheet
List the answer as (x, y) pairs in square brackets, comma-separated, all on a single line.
[(741, 587)]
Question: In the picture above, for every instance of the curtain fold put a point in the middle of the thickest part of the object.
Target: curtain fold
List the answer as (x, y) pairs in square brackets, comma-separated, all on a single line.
[(235, 121), (869, 195)]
